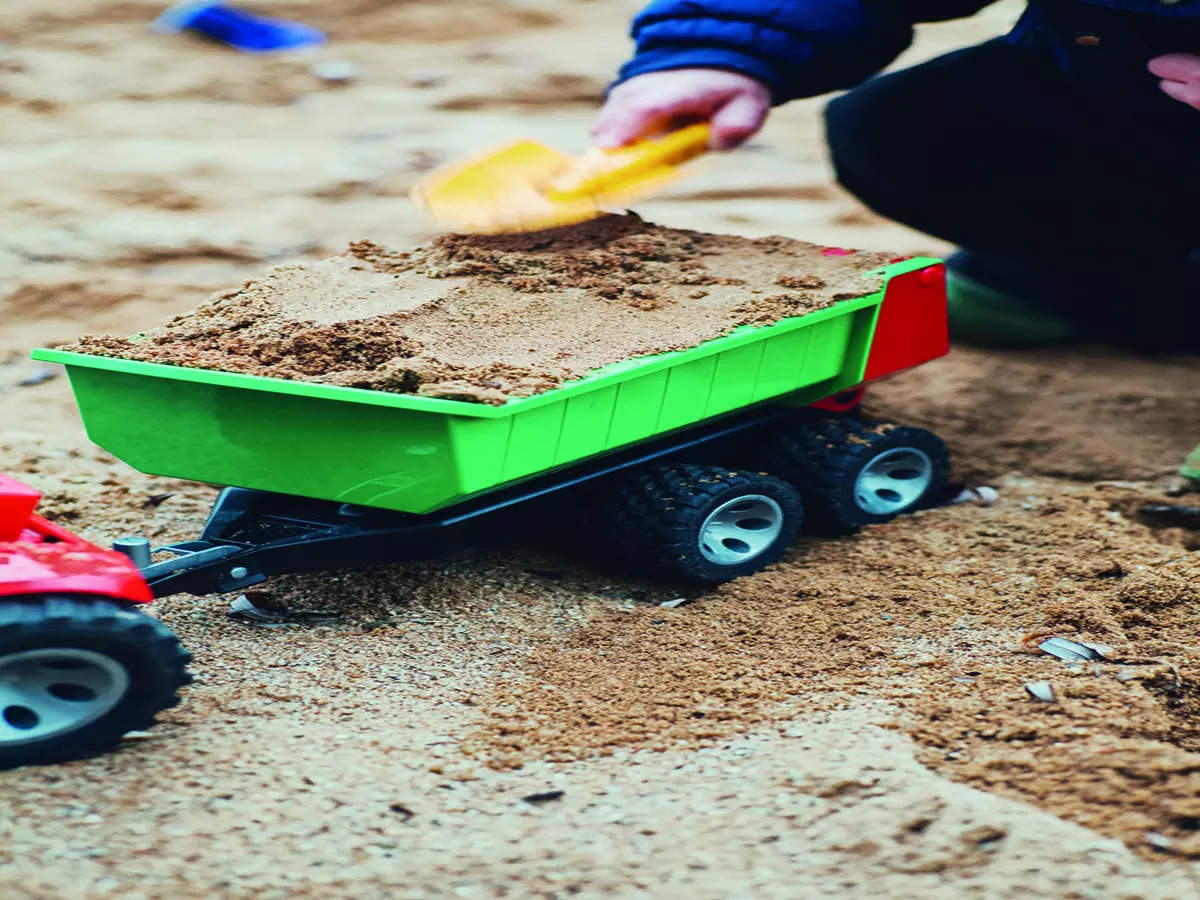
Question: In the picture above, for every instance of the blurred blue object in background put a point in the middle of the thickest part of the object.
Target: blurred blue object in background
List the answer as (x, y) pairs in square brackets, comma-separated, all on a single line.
[(239, 29)]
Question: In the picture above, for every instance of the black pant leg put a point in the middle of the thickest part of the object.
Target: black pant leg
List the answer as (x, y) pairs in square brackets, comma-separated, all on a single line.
[(991, 148)]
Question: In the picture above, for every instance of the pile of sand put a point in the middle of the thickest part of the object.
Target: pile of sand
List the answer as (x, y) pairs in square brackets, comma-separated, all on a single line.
[(486, 318)]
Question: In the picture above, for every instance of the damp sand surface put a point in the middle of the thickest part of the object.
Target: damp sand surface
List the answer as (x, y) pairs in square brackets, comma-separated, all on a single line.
[(851, 723), (488, 318)]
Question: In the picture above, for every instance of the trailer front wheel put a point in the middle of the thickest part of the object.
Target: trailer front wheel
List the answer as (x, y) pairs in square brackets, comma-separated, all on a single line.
[(77, 673), (703, 524)]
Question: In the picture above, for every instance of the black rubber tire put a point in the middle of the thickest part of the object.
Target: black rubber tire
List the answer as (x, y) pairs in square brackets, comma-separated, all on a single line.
[(150, 653), (822, 456), (654, 517)]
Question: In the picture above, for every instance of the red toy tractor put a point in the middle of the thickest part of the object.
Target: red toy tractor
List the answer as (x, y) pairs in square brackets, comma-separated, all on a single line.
[(79, 664)]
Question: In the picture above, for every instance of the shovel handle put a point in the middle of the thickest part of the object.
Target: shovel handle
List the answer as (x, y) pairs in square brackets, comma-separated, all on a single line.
[(677, 146), (602, 171)]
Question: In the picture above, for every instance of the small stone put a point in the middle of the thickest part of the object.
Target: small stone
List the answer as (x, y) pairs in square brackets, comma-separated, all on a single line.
[(401, 810), (1103, 650), (980, 496), (1042, 691), (334, 71), (1179, 485), (45, 373), (1160, 841), (543, 797), (1065, 648), (426, 78), (673, 604)]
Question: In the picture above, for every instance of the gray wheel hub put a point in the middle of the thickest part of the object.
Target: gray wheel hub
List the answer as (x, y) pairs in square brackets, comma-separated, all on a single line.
[(740, 529), (49, 692), (893, 481)]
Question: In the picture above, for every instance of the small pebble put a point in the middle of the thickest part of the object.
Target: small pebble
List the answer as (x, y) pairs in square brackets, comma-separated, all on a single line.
[(426, 78), (1159, 841), (43, 374), (335, 71), (1103, 650), (544, 797), (1041, 690), (980, 496), (1065, 648)]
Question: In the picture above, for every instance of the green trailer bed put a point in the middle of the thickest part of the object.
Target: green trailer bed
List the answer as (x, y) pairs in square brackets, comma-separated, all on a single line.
[(418, 454)]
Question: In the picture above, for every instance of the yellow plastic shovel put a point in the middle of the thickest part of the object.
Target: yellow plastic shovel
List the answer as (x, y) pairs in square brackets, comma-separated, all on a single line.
[(526, 186)]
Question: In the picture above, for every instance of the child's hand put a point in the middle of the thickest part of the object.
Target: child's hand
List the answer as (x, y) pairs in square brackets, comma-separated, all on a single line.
[(1180, 74), (736, 105)]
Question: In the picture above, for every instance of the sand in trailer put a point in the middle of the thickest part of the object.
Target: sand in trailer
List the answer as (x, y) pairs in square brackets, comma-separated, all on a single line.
[(486, 318)]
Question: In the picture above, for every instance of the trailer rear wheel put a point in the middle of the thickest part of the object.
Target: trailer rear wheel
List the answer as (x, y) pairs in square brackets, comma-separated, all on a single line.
[(77, 673), (853, 471), (702, 524)]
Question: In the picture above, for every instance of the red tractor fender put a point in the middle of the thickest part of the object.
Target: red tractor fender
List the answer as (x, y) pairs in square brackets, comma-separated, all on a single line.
[(39, 557), (69, 568)]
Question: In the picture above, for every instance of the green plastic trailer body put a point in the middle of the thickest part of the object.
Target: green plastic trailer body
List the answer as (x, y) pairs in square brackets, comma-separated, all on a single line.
[(418, 454)]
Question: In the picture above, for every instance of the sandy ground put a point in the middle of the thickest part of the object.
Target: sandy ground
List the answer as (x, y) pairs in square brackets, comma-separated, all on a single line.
[(851, 722)]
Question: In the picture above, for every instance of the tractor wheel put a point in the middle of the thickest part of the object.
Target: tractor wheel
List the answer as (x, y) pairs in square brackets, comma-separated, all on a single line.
[(76, 673), (701, 524), (853, 471)]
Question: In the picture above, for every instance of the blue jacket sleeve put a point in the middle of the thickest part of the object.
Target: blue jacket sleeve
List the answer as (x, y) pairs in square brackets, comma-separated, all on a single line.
[(798, 49)]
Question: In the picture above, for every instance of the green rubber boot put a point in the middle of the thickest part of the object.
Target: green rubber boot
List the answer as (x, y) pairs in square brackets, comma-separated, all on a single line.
[(986, 317), (1191, 466)]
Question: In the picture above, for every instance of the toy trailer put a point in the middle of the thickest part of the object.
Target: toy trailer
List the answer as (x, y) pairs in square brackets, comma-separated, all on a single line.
[(79, 664), (699, 465)]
